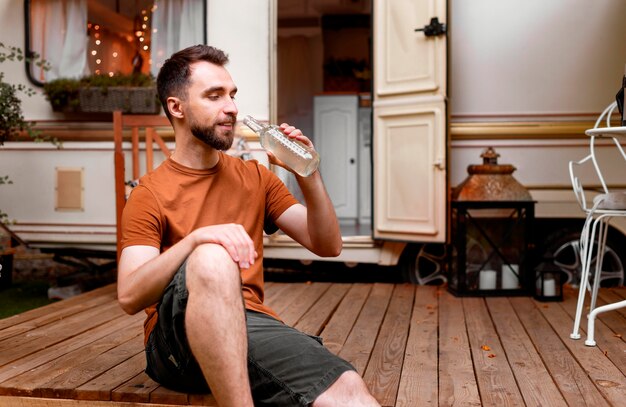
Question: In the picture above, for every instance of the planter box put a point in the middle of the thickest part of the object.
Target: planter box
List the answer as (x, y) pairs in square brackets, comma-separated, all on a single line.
[(127, 99)]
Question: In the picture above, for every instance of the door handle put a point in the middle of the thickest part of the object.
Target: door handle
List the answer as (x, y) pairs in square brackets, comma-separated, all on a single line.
[(435, 28), (439, 164)]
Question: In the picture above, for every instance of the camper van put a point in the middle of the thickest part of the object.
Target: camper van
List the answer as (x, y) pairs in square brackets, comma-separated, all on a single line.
[(398, 96)]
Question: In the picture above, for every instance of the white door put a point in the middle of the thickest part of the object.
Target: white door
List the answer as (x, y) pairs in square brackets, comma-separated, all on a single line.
[(336, 130), (410, 122)]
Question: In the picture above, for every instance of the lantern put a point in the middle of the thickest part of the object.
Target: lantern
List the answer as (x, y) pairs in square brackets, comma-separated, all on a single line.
[(549, 280), (492, 217)]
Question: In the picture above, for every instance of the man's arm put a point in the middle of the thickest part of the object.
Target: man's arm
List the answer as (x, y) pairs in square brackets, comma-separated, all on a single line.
[(143, 273)]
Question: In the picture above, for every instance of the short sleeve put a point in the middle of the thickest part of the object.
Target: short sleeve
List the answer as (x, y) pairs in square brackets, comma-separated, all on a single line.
[(141, 220)]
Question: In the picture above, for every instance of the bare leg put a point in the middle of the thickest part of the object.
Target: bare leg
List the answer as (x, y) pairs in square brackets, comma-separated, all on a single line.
[(215, 324), (349, 390)]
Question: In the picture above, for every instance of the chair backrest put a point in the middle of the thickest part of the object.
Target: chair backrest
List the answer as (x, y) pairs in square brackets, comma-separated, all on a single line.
[(141, 127), (593, 157)]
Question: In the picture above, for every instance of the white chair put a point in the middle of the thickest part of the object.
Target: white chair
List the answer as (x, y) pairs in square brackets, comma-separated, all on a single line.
[(600, 209)]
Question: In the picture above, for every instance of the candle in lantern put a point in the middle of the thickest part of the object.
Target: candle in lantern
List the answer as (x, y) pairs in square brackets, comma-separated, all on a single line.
[(549, 287), (509, 276), (487, 280)]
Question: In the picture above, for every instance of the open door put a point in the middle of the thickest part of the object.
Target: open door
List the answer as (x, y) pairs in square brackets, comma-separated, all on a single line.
[(409, 120)]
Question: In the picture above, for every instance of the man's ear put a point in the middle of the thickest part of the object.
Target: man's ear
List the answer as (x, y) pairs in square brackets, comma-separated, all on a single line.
[(174, 106)]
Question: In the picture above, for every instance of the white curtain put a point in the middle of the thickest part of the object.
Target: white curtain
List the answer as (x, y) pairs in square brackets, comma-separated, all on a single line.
[(176, 24), (59, 35)]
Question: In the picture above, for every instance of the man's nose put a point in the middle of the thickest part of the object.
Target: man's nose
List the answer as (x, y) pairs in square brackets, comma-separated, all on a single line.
[(230, 106)]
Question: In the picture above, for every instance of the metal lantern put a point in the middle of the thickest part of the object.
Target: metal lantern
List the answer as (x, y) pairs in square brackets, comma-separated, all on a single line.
[(549, 280), (492, 217)]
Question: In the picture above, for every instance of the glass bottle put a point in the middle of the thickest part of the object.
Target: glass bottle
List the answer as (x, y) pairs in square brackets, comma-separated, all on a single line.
[(300, 158)]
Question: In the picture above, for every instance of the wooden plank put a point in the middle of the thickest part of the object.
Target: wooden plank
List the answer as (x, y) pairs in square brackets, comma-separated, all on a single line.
[(610, 297), (149, 149), (16, 347), (603, 373), (531, 375), (271, 291), (161, 144), (303, 302), (457, 382), (418, 381), (360, 342), (621, 291), (108, 291), (143, 120), (166, 396), (382, 375), (573, 382), (136, 390), (30, 382), (338, 328), (606, 326), (56, 315), (206, 400), (65, 384), (314, 320), (135, 152), (494, 376), (44, 402), (58, 350), (99, 388), (283, 294)]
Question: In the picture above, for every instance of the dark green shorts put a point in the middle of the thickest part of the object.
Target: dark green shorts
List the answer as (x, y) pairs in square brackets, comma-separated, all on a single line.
[(286, 367)]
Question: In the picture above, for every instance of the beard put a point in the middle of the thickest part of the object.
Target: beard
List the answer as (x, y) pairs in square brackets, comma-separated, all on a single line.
[(211, 137)]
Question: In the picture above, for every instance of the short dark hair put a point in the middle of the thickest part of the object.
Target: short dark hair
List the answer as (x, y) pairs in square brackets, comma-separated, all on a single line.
[(173, 77)]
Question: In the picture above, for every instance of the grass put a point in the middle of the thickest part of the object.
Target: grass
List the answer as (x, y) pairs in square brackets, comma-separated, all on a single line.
[(23, 296)]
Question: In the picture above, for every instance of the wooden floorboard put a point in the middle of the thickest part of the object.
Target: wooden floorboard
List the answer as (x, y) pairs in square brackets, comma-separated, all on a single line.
[(413, 345)]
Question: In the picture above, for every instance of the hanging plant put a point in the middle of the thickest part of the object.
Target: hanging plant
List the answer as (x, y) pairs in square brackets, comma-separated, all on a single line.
[(12, 122)]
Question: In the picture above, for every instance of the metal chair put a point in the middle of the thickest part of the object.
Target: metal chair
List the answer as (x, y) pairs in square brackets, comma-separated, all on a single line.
[(600, 210)]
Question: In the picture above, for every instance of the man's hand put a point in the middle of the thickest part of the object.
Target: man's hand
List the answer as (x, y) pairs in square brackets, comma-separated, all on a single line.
[(233, 238), (292, 133)]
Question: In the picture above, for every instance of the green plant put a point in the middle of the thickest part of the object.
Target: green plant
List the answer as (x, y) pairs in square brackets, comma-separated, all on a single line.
[(12, 121), (64, 93)]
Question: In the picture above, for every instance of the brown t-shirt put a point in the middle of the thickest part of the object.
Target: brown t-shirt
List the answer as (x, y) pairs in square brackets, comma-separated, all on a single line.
[(174, 200)]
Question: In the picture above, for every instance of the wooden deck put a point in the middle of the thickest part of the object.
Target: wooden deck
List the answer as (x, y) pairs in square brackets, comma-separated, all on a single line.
[(414, 346)]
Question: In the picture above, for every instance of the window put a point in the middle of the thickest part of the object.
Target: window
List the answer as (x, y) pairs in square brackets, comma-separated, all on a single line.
[(109, 37)]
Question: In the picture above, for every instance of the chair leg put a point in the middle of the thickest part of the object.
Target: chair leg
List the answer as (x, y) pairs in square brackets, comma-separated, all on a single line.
[(584, 279), (602, 233), (592, 317), (594, 311)]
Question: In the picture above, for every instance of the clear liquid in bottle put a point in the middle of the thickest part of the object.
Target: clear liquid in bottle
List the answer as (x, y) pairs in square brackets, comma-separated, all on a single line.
[(300, 158)]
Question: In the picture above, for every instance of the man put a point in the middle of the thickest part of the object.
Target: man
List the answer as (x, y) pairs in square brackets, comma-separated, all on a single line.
[(192, 249)]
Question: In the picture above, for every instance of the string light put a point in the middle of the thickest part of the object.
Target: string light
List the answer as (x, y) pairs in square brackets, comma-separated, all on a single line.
[(139, 35)]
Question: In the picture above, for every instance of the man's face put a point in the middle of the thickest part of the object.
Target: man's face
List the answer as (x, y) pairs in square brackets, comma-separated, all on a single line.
[(211, 112)]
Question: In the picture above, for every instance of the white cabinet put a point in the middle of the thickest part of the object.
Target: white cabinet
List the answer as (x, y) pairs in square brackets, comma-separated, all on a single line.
[(343, 138)]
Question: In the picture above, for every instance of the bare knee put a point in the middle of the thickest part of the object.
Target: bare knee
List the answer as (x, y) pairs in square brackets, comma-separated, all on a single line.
[(210, 267), (348, 390)]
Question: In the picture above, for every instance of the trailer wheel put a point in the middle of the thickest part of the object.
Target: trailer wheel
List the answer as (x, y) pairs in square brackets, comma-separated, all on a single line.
[(563, 248), (423, 263)]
